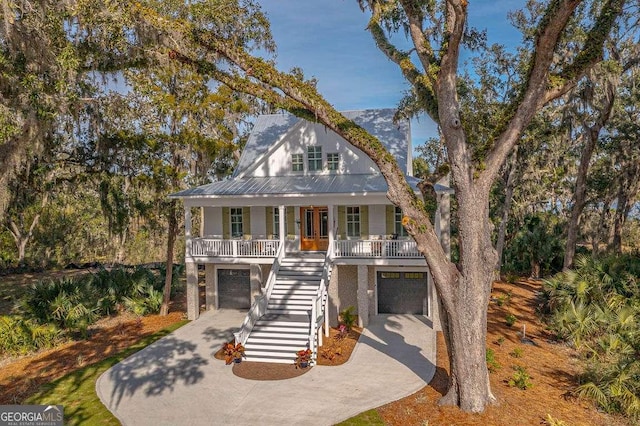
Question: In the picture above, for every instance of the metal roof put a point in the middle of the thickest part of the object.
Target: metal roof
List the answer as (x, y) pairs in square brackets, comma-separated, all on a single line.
[(311, 184)]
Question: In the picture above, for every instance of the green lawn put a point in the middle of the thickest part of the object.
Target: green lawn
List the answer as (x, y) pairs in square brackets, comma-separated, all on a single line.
[(367, 418), (77, 391)]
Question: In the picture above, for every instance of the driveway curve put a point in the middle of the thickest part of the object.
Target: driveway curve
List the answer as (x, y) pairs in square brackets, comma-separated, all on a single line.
[(176, 380)]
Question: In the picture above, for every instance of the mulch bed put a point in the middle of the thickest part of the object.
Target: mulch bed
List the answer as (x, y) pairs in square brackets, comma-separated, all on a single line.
[(335, 351)]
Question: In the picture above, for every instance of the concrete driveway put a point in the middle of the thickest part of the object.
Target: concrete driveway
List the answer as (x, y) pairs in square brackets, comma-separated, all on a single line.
[(176, 380)]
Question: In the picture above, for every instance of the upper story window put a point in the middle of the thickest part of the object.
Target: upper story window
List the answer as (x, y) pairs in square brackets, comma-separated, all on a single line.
[(353, 221), (314, 157), (399, 229), (297, 163), (333, 161), (236, 221)]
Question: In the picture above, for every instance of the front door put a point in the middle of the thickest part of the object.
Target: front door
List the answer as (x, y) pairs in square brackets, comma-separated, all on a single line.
[(314, 228)]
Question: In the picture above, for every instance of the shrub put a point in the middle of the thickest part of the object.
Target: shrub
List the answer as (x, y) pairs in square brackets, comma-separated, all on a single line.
[(492, 363), (517, 352), (348, 318), (19, 336), (510, 319), (596, 306), (520, 378)]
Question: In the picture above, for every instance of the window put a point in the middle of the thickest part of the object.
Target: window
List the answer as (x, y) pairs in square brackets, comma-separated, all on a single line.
[(314, 156), (399, 229), (353, 221), (392, 275), (414, 275), (236, 222), (276, 223), (297, 163), (333, 161)]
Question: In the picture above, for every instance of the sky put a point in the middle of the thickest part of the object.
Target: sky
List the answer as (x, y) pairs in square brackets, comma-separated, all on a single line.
[(329, 41)]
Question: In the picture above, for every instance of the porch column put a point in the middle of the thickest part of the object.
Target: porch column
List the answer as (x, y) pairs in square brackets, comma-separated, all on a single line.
[(330, 218), (255, 280), (193, 308), (363, 295), (210, 288), (187, 231), (282, 214)]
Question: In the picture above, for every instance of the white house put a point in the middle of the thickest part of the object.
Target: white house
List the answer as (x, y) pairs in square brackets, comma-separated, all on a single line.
[(302, 230)]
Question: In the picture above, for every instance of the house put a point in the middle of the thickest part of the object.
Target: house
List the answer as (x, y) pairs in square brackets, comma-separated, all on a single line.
[(302, 230)]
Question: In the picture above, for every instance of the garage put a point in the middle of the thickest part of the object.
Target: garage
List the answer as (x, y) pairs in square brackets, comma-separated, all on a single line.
[(402, 293), (234, 289)]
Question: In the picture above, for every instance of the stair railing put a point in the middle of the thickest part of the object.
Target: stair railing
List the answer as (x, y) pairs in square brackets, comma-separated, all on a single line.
[(259, 306), (319, 308)]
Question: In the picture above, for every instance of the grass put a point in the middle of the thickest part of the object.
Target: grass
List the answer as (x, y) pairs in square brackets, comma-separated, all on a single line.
[(367, 418), (77, 391)]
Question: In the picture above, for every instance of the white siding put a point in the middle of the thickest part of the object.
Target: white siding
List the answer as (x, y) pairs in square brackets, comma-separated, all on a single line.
[(258, 222), (212, 221), (278, 162), (377, 220)]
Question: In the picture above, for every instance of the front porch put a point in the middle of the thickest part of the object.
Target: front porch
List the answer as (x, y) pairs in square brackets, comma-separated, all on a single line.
[(204, 249)]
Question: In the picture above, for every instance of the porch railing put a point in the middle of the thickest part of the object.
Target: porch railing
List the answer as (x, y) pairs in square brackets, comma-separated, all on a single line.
[(210, 247), (259, 306), (319, 309), (376, 248)]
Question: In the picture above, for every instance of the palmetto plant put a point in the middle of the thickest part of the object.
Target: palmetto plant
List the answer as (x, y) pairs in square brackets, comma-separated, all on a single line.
[(597, 306)]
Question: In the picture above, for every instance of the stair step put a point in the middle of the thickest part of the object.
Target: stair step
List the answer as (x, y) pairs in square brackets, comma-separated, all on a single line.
[(268, 327), (288, 324), (285, 341), (291, 296), (270, 360), (303, 334), (289, 311), (276, 350)]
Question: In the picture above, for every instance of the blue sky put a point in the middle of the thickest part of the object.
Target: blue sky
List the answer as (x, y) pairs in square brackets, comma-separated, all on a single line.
[(329, 41)]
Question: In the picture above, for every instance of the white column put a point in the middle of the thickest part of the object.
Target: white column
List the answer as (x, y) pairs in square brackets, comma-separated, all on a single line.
[(331, 228), (193, 296), (282, 214), (187, 231), (210, 288)]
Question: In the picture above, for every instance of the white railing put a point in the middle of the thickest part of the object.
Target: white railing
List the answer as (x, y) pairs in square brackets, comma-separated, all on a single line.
[(259, 306), (376, 248), (210, 247), (319, 309)]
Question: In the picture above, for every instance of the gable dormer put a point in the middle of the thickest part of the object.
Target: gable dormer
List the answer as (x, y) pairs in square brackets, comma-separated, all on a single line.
[(284, 145)]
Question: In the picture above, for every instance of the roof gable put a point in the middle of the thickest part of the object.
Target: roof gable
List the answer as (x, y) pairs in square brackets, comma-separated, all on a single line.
[(275, 137)]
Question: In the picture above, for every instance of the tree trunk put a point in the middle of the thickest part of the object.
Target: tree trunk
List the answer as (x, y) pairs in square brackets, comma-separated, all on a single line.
[(465, 303), (580, 193), (171, 238), (506, 209)]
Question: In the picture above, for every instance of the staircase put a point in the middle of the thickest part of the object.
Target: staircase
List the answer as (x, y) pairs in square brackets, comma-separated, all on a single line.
[(284, 329)]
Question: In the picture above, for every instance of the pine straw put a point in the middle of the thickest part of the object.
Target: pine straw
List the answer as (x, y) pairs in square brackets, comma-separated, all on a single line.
[(552, 367)]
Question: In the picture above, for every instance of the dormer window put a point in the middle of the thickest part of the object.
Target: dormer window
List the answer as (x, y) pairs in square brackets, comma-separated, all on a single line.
[(297, 163), (314, 157), (333, 161)]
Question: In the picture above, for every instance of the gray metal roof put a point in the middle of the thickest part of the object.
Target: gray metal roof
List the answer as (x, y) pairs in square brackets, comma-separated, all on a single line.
[(283, 185), (269, 129)]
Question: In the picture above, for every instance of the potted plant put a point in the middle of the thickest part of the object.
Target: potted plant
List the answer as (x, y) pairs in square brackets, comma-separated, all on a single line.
[(233, 353), (303, 357)]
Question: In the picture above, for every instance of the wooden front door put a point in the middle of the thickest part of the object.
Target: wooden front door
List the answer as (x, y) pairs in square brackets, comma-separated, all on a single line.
[(314, 228)]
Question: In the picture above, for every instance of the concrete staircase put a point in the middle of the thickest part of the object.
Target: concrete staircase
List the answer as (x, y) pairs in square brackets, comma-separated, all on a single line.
[(284, 329)]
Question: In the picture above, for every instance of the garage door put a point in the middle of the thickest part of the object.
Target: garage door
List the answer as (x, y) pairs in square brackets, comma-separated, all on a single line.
[(402, 293), (234, 289)]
